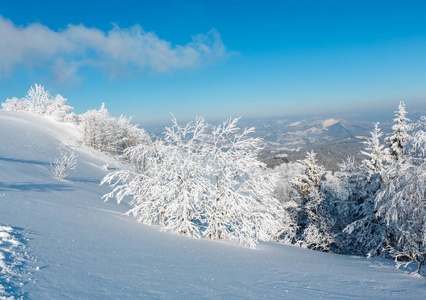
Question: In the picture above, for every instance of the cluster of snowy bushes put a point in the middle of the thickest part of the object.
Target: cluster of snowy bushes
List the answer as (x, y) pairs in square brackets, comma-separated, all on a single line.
[(99, 129), (41, 102), (108, 134), (377, 207)]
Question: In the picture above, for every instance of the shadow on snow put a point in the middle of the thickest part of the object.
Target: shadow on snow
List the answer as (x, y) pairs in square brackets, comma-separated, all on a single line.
[(34, 187), (25, 161), (84, 180)]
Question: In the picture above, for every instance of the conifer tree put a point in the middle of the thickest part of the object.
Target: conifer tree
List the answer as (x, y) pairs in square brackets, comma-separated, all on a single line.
[(312, 232), (402, 206), (378, 156), (400, 136), (311, 177)]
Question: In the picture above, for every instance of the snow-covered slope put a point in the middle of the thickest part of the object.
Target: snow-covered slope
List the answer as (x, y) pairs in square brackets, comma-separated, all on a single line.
[(71, 244)]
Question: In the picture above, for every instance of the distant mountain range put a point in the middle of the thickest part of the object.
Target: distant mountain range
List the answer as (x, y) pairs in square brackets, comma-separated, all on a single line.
[(334, 139)]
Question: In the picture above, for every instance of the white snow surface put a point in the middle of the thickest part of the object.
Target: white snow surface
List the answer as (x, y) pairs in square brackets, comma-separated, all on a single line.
[(12, 259), (84, 248)]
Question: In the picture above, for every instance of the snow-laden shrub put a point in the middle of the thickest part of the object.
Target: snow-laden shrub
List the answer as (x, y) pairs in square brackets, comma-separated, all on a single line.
[(15, 104), (41, 102), (201, 181), (63, 164)]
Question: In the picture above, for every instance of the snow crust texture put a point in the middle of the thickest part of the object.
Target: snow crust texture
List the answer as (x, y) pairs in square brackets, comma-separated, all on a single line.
[(13, 261)]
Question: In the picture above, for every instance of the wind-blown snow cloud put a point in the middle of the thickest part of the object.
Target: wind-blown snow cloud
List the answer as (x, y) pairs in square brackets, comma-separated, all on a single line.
[(118, 52)]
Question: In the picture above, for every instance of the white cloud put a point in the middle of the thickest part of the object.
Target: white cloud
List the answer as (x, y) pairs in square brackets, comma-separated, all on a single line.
[(118, 52)]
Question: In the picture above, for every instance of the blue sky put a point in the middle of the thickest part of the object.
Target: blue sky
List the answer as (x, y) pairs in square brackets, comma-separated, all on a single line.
[(216, 58)]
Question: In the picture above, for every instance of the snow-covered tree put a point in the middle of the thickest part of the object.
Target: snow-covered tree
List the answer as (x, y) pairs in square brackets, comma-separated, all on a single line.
[(402, 205), (38, 99), (15, 104), (168, 183), (341, 195), (128, 134), (59, 109), (241, 205), (400, 136), (284, 189), (401, 202), (378, 156), (364, 231), (201, 180), (316, 223), (63, 164), (312, 230), (288, 196), (311, 177), (417, 145)]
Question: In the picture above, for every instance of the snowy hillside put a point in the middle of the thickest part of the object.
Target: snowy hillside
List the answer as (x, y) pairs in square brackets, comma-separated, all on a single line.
[(58, 239)]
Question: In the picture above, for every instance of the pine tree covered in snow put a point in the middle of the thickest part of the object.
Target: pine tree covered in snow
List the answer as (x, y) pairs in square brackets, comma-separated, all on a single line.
[(400, 136), (365, 230), (378, 156), (311, 177), (343, 192), (312, 226), (201, 181), (392, 219), (417, 145), (402, 205), (316, 222)]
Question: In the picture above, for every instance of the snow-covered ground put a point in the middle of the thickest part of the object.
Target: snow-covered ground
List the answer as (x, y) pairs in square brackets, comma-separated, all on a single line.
[(58, 239)]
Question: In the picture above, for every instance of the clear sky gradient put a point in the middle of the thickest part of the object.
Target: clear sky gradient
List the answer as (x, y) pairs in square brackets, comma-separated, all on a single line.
[(216, 58)]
